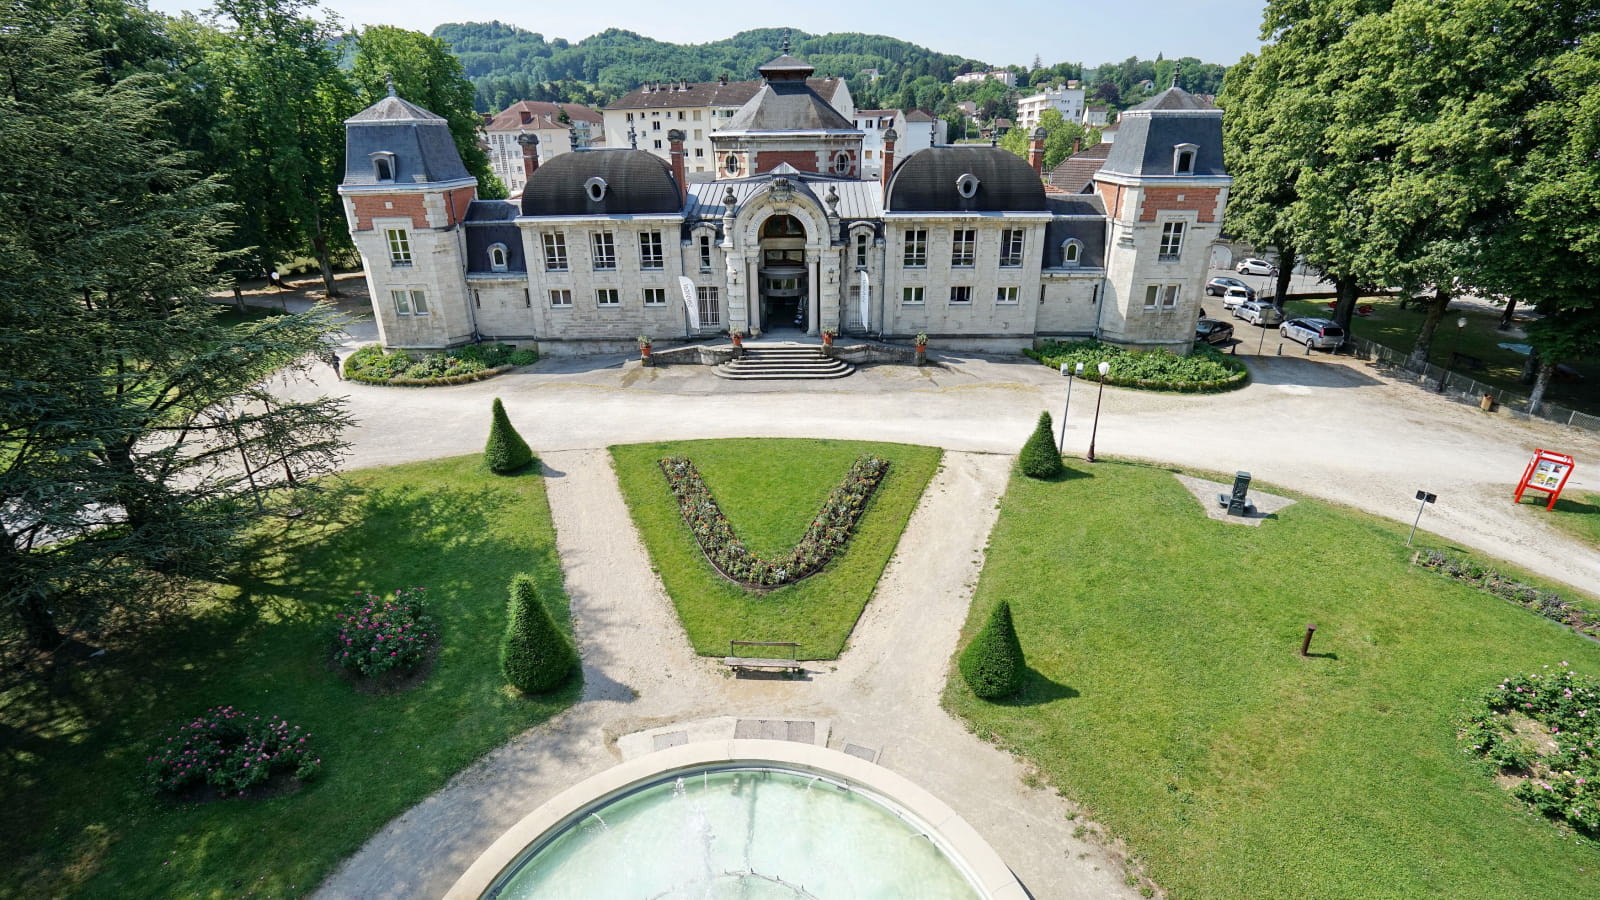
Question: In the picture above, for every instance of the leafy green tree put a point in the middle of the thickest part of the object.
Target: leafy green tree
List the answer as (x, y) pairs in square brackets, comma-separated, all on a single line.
[(282, 102), (1039, 458), (138, 436), (506, 451), (535, 656), (427, 74), (993, 664)]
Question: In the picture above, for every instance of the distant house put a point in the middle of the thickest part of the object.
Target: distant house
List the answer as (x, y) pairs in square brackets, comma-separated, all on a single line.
[(1009, 79), (1096, 115), (559, 127), (968, 108), (915, 129), (1068, 100)]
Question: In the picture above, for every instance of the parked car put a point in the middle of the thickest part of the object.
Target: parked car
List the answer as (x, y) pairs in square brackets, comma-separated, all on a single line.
[(1253, 266), (1322, 334), (1234, 296), (1258, 312), (1219, 285), (1213, 331)]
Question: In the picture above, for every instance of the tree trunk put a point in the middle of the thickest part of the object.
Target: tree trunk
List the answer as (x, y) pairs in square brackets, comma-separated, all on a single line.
[(1280, 289), (330, 288), (38, 625), (1507, 317), (1345, 307), (1423, 348), (1540, 385), (238, 297), (1530, 368)]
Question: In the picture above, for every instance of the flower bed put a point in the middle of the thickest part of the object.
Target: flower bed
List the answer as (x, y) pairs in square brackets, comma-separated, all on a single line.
[(1204, 370), (474, 362), (1538, 732), (1545, 603), (230, 751), (829, 531), (383, 634)]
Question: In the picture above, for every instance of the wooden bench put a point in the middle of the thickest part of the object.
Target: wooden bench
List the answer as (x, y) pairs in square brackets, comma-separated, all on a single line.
[(771, 661)]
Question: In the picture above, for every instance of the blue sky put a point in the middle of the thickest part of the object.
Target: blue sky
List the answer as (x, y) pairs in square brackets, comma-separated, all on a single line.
[(1057, 30)]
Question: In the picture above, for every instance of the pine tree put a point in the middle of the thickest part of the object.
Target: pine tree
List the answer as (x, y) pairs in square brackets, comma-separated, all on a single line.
[(1039, 458), (506, 451), (535, 656), (992, 665)]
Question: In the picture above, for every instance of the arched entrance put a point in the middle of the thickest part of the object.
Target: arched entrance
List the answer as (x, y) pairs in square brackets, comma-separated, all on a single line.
[(783, 285)]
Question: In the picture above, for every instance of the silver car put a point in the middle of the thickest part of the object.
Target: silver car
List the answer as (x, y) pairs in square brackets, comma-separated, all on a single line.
[(1258, 312), (1321, 334), (1233, 297)]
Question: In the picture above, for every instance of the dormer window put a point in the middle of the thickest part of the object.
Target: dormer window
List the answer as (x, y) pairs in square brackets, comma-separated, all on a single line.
[(841, 164), (967, 185), (383, 166), (1071, 252), (1183, 159), (497, 257), (595, 188)]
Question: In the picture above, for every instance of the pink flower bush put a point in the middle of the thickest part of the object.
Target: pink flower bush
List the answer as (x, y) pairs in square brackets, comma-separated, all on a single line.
[(229, 751), (383, 633)]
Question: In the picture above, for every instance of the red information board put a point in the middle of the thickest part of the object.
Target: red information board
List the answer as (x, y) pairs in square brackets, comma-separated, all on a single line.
[(1546, 472)]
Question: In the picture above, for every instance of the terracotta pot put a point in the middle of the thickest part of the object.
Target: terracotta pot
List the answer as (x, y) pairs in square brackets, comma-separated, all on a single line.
[(827, 339)]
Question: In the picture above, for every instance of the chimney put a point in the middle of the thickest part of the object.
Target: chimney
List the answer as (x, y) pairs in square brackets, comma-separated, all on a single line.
[(723, 78), (675, 144), (889, 137), (1076, 142), (1036, 152), (530, 155)]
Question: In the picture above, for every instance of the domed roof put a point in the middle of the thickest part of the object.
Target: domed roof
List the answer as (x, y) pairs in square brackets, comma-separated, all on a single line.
[(964, 179), (626, 182)]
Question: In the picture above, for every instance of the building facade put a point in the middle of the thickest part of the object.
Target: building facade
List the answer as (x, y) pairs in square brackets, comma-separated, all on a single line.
[(1066, 98), (560, 128), (917, 129), (963, 243)]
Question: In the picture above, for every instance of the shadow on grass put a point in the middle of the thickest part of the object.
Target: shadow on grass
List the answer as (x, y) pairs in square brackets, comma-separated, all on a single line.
[(1577, 507), (1037, 690), (1068, 473)]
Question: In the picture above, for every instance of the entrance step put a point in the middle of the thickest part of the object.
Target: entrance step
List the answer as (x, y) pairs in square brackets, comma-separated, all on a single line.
[(772, 362)]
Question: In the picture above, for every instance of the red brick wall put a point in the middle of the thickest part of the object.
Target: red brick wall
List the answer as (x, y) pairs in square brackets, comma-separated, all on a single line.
[(371, 206), (459, 198), (804, 160), (1159, 199), (1110, 197)]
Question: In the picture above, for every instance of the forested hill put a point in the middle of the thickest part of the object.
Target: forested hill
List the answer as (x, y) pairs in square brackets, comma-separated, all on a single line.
[(508, 64)]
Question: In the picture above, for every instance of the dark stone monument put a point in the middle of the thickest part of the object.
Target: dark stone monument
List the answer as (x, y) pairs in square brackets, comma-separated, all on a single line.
[(1238, 503)]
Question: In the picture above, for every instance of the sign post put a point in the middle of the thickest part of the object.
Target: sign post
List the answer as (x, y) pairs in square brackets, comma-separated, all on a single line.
[(1425, 499), (1547, 471)]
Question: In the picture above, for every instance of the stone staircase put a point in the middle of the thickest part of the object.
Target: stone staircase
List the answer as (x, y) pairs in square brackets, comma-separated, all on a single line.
[(766, 362)]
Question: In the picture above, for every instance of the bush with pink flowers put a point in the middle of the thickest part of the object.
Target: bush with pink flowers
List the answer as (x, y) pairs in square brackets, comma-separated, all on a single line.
[(231, 751), (383, 633)]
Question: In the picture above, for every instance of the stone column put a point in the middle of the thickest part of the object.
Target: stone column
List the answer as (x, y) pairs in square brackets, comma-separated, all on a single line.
[(814, 293)]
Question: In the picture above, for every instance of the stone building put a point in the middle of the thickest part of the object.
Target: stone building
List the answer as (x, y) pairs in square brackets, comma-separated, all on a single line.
[(963, 242)]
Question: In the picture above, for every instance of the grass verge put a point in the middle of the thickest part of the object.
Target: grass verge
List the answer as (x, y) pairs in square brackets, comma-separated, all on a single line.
[(77, 817), (1167, 694), (769, 489), (1576, 514)]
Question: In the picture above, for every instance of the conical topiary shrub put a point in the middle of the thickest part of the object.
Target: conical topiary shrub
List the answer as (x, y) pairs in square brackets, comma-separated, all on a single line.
[(1039, 458), (506, 451), (535, 656), (992, 665)]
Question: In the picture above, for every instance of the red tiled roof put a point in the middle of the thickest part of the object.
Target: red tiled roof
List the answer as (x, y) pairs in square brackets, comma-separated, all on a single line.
[(541, 114), (1074, 172), (671, 95)]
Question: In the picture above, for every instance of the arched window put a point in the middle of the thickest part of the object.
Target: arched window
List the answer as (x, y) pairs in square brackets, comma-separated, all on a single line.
[(497, 257), (841, 163), (1183, 156), (1071, 252), (782, 226), (861, 249), (383, 165), (731, 164)]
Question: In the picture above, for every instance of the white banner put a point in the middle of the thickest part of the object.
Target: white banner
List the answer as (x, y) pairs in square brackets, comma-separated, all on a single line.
[(690, 302), (866, 302)]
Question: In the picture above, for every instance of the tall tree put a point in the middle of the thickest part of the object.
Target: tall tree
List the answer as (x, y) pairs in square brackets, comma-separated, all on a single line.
[(427, 74), (282, 104), (137, 435)]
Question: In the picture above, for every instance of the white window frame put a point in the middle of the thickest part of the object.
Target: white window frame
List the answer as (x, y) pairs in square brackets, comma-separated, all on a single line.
[(861, 249), (603, 251), (399, 246), (960, 295), (914, 295), (916, 249), (1171, 241), (705, 252), (651, 253), (1178, 153), (1162, 297), (708, 300), (1071, 252), (1006, 295), (555, 252), (561, 298), (1012, 245), (409, 303), (963, 248), (499, 260), (607, 298), (655, 296)]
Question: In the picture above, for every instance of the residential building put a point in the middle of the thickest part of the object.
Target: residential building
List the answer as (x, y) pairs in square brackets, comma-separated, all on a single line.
[(915, 129), (1009, 79), (962, 243), (1096, 115), (1069, 100), (560, 128)]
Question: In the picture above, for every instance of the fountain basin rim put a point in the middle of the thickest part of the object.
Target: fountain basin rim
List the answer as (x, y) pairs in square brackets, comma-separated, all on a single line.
[(967, 850)]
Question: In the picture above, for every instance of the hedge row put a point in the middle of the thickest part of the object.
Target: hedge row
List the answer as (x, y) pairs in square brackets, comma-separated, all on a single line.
[(475, 362), (828, 534), (1204, 370), (1545, 603), (400, 381)]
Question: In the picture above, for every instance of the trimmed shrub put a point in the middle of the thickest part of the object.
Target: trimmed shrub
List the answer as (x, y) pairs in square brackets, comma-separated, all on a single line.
[(474, 362), (1039, 458), (992, 665), (506, 451), (535, 656), (1205, 369), (231, 752)]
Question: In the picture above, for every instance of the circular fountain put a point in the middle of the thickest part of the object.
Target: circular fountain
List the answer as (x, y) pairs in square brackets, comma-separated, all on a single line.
[(741, 820)]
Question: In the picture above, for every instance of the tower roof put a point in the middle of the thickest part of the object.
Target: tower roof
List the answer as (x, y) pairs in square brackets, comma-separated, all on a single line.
[(786, 68), (392, 110), (934, 180), (416, 145)]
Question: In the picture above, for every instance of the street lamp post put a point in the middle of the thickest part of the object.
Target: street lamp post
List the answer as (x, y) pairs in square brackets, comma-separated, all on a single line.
[(1103, 369), (1062, 447), (1444, 373)]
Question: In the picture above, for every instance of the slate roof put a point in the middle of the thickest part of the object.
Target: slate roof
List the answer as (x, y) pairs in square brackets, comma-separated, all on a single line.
[(637, 183), (857, 199), (482, 236), (926, 180), (787, 106), (543, 114), (1091, 233), (1172, 98), (1074, 173), (392, 109), (1148, 133), (421, 143), (492, 211), (710, 93)]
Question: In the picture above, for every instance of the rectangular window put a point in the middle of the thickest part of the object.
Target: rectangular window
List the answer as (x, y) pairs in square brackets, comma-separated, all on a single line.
[(1171, 241), (658, 143), (961, 294), (697, 118), (705, 253), (655, 126), (861, 251), (561, 299), (699, 134), (1011, 248), (555, 252), (699, 153), (911, 296), (916, 248), (710, 310), (1161, 296), (605, 251), (402, 302), (655, 296), (650, 253), (399, 246), (1006, 296), (963, 244), (607, 297)]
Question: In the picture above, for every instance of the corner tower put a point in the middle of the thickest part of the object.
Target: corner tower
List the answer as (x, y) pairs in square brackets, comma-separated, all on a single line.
[(1165, 191), (405, 195)]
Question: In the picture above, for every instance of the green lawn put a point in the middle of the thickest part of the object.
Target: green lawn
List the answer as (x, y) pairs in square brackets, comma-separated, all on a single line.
[(1167, 694), (77, 820), (1577, 514), (769, 489), (1397, 329)]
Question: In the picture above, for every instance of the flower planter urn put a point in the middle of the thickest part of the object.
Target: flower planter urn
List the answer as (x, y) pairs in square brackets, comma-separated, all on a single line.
[(646, 358)]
